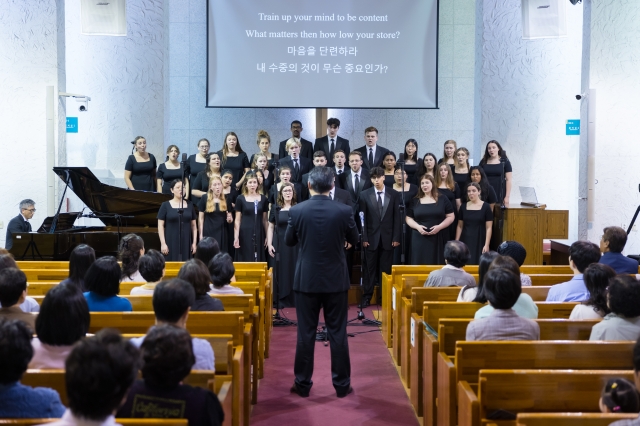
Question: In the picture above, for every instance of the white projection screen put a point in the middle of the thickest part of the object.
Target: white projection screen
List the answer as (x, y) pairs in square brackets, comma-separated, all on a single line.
[(322, 54)]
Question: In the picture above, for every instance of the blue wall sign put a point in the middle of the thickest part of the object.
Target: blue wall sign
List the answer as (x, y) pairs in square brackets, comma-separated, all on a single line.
[(72, 125), (573, 127)]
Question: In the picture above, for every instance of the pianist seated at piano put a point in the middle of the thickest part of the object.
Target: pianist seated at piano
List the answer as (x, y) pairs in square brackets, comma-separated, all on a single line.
[(177, 245), (131, 249), (103, 282), (20, 223)]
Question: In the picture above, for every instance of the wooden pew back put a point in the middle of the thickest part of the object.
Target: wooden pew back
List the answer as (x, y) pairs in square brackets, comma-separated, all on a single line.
[(571, 419)]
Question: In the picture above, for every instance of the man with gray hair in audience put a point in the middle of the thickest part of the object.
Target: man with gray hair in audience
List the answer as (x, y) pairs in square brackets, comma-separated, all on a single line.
[(456, 256), (20, 223)]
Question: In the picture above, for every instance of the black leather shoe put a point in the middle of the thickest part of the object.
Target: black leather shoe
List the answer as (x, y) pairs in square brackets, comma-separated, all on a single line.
[(364, 303), (343, 394), (296, 389)]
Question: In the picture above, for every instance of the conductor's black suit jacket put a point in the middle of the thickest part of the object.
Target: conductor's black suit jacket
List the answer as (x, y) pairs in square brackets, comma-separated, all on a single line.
[(380, 230), (322, 265)]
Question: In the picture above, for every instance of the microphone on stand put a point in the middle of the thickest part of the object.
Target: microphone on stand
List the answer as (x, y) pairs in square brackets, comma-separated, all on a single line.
[(362, 219), (184, 157), (255, 207)]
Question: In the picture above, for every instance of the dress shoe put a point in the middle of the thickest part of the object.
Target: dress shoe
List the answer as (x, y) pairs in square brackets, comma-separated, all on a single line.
[(343, 394), (364, 303), (296, 389)]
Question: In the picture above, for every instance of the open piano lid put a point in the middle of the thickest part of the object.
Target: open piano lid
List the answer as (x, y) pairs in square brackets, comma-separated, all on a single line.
[(106, 199)]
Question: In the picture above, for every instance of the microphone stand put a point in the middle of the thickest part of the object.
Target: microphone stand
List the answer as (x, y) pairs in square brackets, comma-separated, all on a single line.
[(403, 235), (255, 227)]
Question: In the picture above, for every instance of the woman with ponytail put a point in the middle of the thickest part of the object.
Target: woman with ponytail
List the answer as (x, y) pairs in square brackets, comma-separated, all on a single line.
[(131, 248)]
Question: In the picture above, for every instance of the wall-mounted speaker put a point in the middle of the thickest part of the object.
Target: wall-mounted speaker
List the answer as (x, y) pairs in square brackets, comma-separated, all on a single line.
[(544, 19), (104, 17)]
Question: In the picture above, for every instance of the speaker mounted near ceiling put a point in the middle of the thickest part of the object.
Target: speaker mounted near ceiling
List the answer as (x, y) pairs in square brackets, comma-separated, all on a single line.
[(544, 19), (104, 17)]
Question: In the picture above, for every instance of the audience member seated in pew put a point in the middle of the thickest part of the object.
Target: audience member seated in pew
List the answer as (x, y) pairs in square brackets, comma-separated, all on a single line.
[(98, 372), (222, 271), (19, 401), (619, 396), (29, 304), (612, 243), (196, 273), (524, 306), (63, 320), (167, 359), (623, 323), (206, 249), (596, 278), (517, 252), (456, 256), (103, 285), (636, 379), (581, 255), (131, 249), (80, 260), (13, 291), (171, 304), (152, 268), (502, 288), (473, 293)]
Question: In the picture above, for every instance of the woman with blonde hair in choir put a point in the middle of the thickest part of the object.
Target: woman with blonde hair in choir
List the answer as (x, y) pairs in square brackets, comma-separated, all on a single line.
[(214, 214), (251, 222), (462, 171), (448, 156), (449, 189)]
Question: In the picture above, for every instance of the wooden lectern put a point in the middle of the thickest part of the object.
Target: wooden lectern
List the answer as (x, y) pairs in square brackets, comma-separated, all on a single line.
[(529, 226)]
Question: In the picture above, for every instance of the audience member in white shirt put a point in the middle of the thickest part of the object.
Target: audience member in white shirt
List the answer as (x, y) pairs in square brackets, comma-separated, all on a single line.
[(152, 268), (222, 272)]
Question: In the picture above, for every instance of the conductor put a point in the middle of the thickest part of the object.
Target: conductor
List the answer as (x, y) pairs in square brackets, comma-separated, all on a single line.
[(321, 280)]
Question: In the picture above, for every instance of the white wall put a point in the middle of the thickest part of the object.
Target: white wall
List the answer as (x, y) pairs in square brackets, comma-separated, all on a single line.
[(528, 89)]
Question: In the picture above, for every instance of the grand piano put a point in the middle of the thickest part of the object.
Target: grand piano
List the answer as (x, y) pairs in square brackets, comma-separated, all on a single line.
[(122, 211)]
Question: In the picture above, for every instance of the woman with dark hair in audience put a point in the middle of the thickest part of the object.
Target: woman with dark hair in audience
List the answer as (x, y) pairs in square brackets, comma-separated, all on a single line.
[(449, 154), (171, 215), (460, 172), (619, 396), (152, 268), (167, 355), (487, 194), (517, 252), (248, 224), (80, 259), (428, 165), (140, 169), (29, 304), (471, 293), (196, 273), (623, 322), (411, 160), (214, 214), (497, 167), (596, 278), (234, 158), (389, 164), (62, 321), (222, 272), (170, 170), (475, 220), (448, 188), (410, 191), (19, 401), (206, 250), (203, 180), (131, 248), (103, 285), (198, 162)]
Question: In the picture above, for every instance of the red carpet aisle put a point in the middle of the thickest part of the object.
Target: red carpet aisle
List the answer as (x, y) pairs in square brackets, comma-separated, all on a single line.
[(378, 398)]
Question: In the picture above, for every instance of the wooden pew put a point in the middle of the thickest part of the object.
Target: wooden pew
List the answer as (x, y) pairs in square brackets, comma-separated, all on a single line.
[(471, 357), (571, 419), (123, 422), (528, 391), (224, 391)]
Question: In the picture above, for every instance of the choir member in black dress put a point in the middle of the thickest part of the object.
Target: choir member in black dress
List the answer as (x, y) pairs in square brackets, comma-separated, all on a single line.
[(447, 187), (410, 191), (461, 169), (487, 194), (198, 162), (427, 165), (140, 170), (214, 214), (201, 184), (474, 224), (169, 226), (429, 216), (389, 165), (497, 167), (170, 170), (288, 254), (251, 220), (264, 144), (260, 165), (411, 160), (449, 154), (234, 159), (230, 195)]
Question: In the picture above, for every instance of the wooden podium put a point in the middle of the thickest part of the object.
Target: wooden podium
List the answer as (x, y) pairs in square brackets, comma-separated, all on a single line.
[(529, 226)]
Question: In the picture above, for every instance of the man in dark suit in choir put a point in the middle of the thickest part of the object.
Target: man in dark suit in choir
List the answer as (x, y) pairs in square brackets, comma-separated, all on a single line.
[(332, 141), (20, 223), (298, 165), (306, 147), (339, 160), (321, 280), (319, 160), (372, 153), (356, 179), (381, 232)]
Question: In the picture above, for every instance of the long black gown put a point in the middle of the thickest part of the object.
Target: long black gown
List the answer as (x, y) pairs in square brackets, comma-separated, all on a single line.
[(172, 230), (167, 176), (215, 223), (231, 201), (236, 165), (288, 260), (452, 196), (411, 170), (428, 249), (474, 232), (397, 252), (194, 168), (142, 173), (462, 179), (495, 176), (389, 180), (248, 223)]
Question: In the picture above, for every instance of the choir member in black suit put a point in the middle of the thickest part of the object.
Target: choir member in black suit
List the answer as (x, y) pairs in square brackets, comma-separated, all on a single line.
[(497, 167), (411, 159), (487, 194), (461, 169), (298, 165), (20, 223), (427, 166), (381, 232), (372, 153), (200, 185), (169, 171), (356, 179), (171, 213), (450, 189), (251, 220), (341, 196), (339, 164), (140, 170), (198, 162), (389, 166), (234, 158), (306, 147), (449, 154), (321, 280), (319, 160), (330, 143), (264, 144), (474, 224)]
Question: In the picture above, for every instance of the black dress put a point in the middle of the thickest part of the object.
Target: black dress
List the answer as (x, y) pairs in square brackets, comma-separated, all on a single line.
[(271, 164), (462, 179), (267, 183), (288, 260), (172, 230), (412, 171), (142, 173), (389, 180), (231, 201), (428, 249), (167, 176), (495, 176), (474, 232), (215, 223), (452, 196), (273, 193), (397, 251), (236, 165), (248, 223), (195, 167)]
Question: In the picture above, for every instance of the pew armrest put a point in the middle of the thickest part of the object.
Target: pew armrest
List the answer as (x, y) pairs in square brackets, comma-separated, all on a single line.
[(468, 406), (446, 390)]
